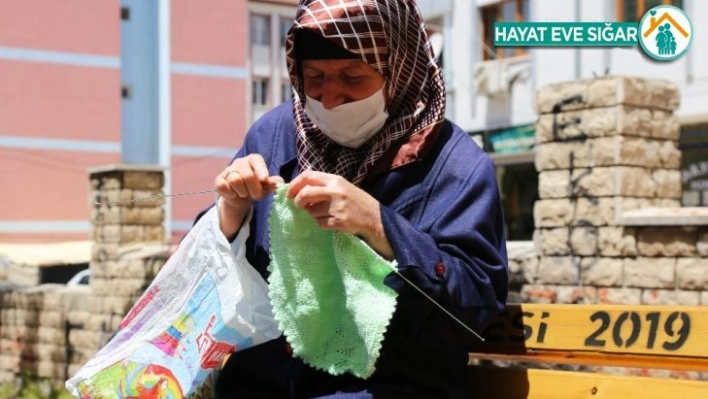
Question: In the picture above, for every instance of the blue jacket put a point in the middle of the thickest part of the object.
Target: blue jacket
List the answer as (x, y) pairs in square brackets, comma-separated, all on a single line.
[(442, 216)]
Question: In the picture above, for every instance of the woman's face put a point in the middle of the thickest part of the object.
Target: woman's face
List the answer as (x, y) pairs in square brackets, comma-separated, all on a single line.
[(337, 82)]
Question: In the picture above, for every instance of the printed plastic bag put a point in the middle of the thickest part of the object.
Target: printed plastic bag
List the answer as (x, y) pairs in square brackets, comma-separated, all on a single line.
[(205, 303), (208, 388)]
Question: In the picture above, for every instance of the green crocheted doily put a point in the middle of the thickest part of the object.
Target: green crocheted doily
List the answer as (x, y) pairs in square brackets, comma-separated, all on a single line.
[(327, 291)]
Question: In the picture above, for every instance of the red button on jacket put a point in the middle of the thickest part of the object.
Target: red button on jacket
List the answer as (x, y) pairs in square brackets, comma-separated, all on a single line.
[(439, 269)]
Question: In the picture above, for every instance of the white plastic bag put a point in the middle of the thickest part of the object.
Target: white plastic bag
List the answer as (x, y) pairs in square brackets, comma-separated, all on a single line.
[(205, 303)]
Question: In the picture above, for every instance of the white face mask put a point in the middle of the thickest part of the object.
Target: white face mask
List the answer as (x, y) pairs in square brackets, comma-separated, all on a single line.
[(351, 124)]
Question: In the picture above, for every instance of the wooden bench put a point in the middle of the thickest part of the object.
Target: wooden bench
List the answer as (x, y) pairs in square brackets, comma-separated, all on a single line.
[(524, 337)]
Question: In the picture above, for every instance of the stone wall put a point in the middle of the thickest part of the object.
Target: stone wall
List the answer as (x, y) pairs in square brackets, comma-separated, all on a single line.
[(33, 330), (51, 331), (609, 227)]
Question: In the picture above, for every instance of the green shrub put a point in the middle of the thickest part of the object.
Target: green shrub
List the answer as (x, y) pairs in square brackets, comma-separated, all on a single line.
[(28, 387)]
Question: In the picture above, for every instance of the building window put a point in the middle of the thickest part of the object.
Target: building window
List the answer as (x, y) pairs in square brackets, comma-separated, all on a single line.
[(285, 25), (503, 11), (260, 28), (694, 165), (634, 10), (286, 92), (259, 92), (519, 191)]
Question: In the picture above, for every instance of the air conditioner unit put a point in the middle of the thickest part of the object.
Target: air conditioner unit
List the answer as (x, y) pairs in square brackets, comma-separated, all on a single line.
[(491, 79)]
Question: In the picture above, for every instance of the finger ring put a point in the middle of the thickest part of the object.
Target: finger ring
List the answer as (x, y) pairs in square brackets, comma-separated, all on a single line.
[(230, 171)]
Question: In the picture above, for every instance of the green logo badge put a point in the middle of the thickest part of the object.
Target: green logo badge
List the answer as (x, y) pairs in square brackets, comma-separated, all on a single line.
[(665, 33)]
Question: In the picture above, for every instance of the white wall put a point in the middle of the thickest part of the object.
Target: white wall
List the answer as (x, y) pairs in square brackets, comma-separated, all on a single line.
[(458, 60), (434, 8), (268, 61), (694, 95), (463, 49)]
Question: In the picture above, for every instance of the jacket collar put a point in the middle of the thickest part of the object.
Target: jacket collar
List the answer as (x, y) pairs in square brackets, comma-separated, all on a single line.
[(415, 148)]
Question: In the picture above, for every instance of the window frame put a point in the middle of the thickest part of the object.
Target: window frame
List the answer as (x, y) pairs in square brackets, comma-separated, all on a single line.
[(286, 91), (641, 9), (260, 90), (267, 36), (489, 42), (282, 35)]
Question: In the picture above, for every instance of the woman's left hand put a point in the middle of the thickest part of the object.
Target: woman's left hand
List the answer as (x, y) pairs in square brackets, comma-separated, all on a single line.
[(337, 204)]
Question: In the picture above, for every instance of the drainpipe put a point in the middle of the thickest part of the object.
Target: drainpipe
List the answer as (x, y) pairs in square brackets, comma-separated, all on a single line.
[(165, 107), (578, 58)]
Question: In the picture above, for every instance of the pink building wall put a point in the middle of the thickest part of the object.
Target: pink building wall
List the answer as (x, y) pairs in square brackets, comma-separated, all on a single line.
[(46, 100), (60, 111), (55, 108), (208, 110), (75, 26)]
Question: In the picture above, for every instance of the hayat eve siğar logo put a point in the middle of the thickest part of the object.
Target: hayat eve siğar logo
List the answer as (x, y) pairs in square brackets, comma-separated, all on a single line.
[(665, 33)]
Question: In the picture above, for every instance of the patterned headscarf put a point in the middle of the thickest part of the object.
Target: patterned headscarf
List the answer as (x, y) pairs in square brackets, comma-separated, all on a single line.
[(390, 36)]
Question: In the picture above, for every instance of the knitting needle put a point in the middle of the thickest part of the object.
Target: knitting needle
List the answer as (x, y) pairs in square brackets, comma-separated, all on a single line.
[(435, 302), (153, 197), (391, 266), (265, 186)]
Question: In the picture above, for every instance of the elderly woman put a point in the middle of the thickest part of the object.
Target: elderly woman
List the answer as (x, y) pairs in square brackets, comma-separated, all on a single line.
[(366, 150)]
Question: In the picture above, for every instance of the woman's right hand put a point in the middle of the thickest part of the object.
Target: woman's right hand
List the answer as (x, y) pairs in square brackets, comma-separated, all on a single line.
[(244, 181)]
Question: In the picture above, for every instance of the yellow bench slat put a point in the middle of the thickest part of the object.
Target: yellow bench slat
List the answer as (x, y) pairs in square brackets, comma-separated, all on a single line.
[(598, 359), (493, 382), (676, 331)]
